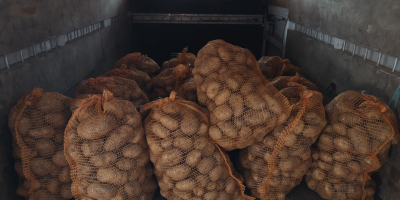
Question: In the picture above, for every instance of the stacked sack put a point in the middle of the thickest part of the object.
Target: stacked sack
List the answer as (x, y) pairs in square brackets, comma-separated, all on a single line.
[(37, 123), (183, 58), (274, 66), (106, 149), (355, 143), (168, 80), (274, 166), (122, 88), (187, 164), (243, 106), (141, 78), (188, 91), (140, 62), (281, 82)]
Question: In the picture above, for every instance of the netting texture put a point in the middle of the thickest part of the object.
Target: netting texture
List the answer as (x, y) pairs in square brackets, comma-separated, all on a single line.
[(37, 123), (107, 151), (183, 58), (274, 166), (169, 79), (243, 105), (187, 164), (140, 62), (188, 91), (274, 66), (122, 88), (361, 128), (281, 82), (141, 78)]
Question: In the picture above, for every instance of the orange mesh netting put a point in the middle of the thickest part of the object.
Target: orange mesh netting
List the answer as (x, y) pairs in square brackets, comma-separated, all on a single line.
[(281, 82), (188, 91), (243, 105), (122, 88), (274, 66), (274, 166), (37, 123), (106, 149), (141, 78), (140, 62), (188, 165), (169, 79), (361, 128), (183, 58)]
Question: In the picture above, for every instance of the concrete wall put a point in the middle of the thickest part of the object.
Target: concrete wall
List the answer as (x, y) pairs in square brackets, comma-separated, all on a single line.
[(370, 23), (60, 68)]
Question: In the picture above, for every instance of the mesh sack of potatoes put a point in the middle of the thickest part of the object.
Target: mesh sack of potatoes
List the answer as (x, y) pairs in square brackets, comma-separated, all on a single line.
[(37, 123), (243, 105), (187, 164), (183, 58), (361, 128), (107, 151), (188, 91), (274, 66), (169, 79), (141, 78), (274, 166), (281, 82), (140, 62), (122, 88)]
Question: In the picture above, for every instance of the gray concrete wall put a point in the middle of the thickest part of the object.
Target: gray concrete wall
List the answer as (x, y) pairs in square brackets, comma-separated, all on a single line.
[(60, 68)]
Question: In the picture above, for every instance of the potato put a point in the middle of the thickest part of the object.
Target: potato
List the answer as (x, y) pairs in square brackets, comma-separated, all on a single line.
[(318, 174), (201, 143), (247, 88), (24, 125), (118, 137), (183, 143), (342, 156), (339, 128), (138, 136), (187, 184), (41, 166), (209, 149), (103, 160), (45, 147), (290, 140), (133, 120), (228, 129), (166, 143), (92, 147), (171, 157), (125, 163), (222, 112), (215, 133), (43, 194), (339, 170), (53, 186), (205, 165), (96, 127), (359, 140), (112, 175), (222, 97), (212, 89), (232, 83), (342, 143), (354, 167), (326, 156), (133, 189), (64, 175), (237, 105), (189, 124), (182, 194), (166, 183), (198, 191), (325, 142), (59, 159), (178, 172), (269, 141), (56, 119), (100, 191), (208, 66), (216, 173), (132, 151), (255, 102), (44, 132), (212, 195), (298, 129), (288, 165)]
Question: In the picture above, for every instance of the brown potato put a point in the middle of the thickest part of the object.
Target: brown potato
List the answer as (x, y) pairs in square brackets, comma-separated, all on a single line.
[(133, 189), (169, 122), (182, 194), (222, 97), (342, 156), (53, 186), (44, 132), (103, 160), (212, 195), (290, 140), (112, 175), (343, 143), (166, 183), (132, 151), (339, 170), (222, 113), (232, 83), (138, 136), (208, 66), (359, 139), (237, 105), (64, 175), (247, 88), (45, 147), (171, 157), (43, 194), (133, 120), (339, 128), (59, 159), (159, 130), (205, 165), (215, 133), (24, 125), (326, 156), (212, 89), (42, 167), (201, 143), (118, 137), (228, 129), (187, 184), (125, 163), (99, 191), (216, 173), (56, 119), (166, 143), (255, 102), (318, 174), (91, 148), (189, 124), (183, 143), (178, 172), (96, 127)]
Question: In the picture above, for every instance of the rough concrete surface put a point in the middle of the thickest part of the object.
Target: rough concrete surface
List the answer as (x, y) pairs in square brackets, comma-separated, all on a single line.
[(56, 71), (24, 22), (324, 65), (365, 22)]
